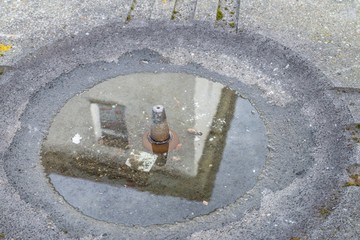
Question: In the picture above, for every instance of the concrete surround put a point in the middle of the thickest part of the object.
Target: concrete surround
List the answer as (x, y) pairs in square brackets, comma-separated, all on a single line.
[(296, 61)]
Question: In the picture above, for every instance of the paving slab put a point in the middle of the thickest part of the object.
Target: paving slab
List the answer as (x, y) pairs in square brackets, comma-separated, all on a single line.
[(163, 9), (140, 10), (206, 10), (326, 32), (227, 15), (184, 10), (28, 25)]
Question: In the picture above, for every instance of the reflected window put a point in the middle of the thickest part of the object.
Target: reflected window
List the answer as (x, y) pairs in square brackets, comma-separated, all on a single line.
[(109, 124)]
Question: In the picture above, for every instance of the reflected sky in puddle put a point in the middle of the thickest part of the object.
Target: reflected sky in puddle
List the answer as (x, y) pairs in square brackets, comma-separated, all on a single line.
[(92, 139)]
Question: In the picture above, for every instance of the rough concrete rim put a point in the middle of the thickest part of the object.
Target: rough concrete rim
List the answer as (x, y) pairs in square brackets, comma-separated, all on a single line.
[(312, 95)]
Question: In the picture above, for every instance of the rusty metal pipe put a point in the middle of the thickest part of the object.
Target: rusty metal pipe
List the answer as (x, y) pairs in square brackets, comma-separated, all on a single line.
[(159, 131), (160, 139)]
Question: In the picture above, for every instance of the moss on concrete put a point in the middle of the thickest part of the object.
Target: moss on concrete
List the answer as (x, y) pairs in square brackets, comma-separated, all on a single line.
[(219, 14)]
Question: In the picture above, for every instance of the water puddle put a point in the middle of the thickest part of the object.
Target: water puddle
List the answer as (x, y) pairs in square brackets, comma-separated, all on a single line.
[(95, 157)]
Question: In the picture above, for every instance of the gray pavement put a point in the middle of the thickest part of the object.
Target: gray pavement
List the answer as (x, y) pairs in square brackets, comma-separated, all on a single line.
[(325, 34)]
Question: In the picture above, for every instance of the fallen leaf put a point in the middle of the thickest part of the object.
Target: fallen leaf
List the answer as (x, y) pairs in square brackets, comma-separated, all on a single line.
[(4, 48)]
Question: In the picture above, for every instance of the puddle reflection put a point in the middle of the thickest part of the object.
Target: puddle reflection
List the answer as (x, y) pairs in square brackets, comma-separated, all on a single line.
[(95, 158)]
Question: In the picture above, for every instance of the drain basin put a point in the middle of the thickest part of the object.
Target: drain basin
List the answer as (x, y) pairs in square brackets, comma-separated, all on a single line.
[(95, 158)]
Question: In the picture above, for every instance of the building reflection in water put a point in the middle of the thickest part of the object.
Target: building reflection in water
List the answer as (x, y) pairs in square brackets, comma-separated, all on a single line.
[(111, 119), (109, 124)]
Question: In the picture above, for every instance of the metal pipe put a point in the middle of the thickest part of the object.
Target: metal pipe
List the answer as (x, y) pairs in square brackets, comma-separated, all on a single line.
[(159, 131), (160, 139)]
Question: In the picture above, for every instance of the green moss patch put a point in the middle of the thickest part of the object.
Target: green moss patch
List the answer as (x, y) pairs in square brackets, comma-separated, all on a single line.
[(219, 14)]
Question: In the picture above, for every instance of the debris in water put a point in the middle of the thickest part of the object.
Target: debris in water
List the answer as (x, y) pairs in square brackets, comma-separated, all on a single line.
[(176, 158), (76, 139), (141, 161), (205, 203), (178, 147), (178, 103), (194, 131)]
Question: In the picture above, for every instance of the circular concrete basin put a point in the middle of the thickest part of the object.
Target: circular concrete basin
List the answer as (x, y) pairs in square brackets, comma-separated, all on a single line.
[(302, 124)]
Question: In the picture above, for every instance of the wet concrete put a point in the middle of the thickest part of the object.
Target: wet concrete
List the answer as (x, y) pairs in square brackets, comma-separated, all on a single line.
[(300, 193), (303, 117)]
